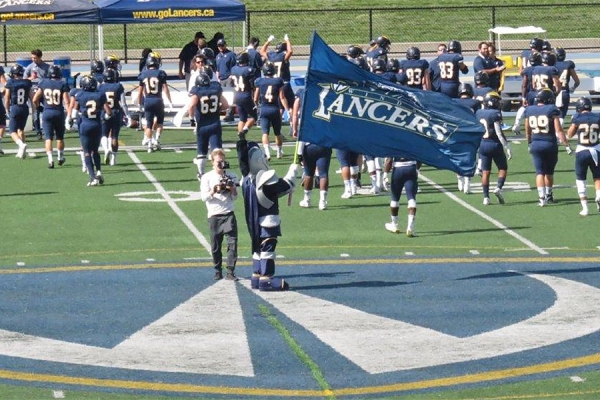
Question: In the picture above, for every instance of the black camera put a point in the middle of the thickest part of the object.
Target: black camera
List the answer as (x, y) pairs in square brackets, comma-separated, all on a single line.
[(226, 182), (223, 164)]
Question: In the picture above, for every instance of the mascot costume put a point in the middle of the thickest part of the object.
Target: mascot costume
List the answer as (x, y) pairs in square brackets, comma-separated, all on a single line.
[(262, 189)]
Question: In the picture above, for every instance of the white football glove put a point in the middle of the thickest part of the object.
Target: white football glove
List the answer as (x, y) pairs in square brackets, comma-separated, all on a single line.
[(271, 38), (107, 116), (292, 171), (508, 150), (68, 125), (129, 121), (170, 107), (569, 150), (286, 37)]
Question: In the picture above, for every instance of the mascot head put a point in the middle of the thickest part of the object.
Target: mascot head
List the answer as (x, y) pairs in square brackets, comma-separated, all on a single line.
[(257, 160)]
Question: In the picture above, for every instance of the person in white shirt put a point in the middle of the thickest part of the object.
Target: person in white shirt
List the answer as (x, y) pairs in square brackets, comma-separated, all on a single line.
[(218, 189)]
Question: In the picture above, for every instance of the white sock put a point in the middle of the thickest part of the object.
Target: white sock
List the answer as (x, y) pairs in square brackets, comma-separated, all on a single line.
[(411, 221), (323, 195), (60, 154)]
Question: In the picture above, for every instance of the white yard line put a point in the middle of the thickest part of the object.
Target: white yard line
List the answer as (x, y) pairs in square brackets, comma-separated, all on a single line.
[(483, 215), (160, 189)]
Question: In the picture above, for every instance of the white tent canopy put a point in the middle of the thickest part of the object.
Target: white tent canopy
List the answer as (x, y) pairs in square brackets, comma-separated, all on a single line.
[(506, 30)]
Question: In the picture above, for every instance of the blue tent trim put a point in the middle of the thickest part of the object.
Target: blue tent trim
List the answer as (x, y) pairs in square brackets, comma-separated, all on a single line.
[(135, 11)]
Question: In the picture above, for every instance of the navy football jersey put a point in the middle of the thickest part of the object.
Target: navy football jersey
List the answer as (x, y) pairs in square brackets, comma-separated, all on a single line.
[(542, 77), (243, 79), (153, 81), (527, 74), (269, 91), (448, 63), (541, 121), (208, 108), (488, 118), (415, 71), (91, 104), (282, 67), (480, 92), (564, 72), (588, 128), (52, 93), (113, 92), (20, 90)]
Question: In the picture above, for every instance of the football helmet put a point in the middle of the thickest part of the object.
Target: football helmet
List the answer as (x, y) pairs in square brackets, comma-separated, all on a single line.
[(203, 79), (17, 70), (221, 42), (536, 44), (466, 88), (113, 62), (208, 53), (413, 53), (110, 75), (546, 46), (153, 60), (243, 58), (54, 72), (89, 83), (393, 65), (535, 58), (281, 47), (354, 51), (481, 78), (383, 41), (545, 96), (583, 104), (492, 100), (208, 71), (379, 65), (561, 54), (549, 59), (268, 69), (97, 67), (454, 46)]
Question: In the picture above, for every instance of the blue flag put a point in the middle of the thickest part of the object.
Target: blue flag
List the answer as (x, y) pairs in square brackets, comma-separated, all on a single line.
[(346, 107)]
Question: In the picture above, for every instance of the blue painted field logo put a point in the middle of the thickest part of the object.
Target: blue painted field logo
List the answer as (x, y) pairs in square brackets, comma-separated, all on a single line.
[(367, 101)]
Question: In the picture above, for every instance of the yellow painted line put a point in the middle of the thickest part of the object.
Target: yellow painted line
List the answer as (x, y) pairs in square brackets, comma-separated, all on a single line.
[(308, 262), (382, 389)]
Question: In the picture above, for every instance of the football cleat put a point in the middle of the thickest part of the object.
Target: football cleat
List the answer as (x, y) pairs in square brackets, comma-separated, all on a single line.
[(499, 196), (392, 227), (51, 165), (22, 152), (550, 198), (542, 202), (218, 275), (61, 161), (93, 182), (346, 195), (374, 190), (322, 205), (410, 233), (583, 213), (145, 141), (486, 201), (354, 189), (100, 178), (305, 203)]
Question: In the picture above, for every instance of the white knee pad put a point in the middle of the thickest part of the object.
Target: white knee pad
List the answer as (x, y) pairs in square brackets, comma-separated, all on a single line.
[(412, 203), (580, 187), (394, 204), (371, 165), (267, 255), (354, 170)]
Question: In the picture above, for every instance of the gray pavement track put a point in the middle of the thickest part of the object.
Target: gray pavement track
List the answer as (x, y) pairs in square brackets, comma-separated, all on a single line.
[(367, 327)]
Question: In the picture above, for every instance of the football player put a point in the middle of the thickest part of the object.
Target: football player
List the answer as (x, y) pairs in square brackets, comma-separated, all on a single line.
[(434, 69), (482, 82), (566, 72), (242, 76), (152, 86), (379, 50), (16, 94), (355, 55), (280, 57), (535, 46), (316, 160), (113, 62), (586, 125), (415, 69), (493, 145), (270, 95), (255, 59), (97, 70), (111, 127), (404, 176), (542, 127), (527, 89), (90, 103), (206, 104), (394, 67), (465, 91), (450, 63), (546, 75), (53, 94)]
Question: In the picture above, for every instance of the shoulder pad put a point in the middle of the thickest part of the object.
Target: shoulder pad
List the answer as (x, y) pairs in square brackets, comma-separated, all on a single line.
[(267, 177)]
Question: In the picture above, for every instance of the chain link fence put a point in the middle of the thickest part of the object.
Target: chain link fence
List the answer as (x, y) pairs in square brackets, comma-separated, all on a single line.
[(571, 26)]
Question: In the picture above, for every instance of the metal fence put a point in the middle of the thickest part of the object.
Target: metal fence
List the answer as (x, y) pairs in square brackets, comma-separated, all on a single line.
[(575, 27)]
